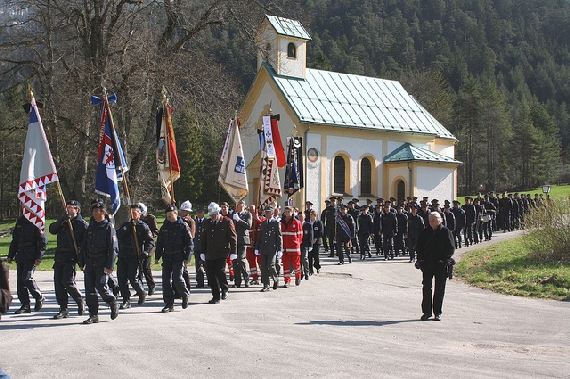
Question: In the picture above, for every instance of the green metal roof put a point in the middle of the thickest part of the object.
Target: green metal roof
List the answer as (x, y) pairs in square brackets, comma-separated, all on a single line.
[(347, 100), (288, 27), (410, 153)]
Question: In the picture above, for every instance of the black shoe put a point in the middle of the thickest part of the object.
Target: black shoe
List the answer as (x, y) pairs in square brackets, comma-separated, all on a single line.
[(185, 302), (369, 255), (142, 298), (318, 271), (276, 284), (437, 317), (425, 317), (151, 291), (167, 308), (265, 289), (224, 295), (93, 319), (64, 313), (125, 305), (349, 259), (39, 304), (214, 301), (340, 263), (116, 291), (306, 277), (80, 307), (24, 309), (286, 285), (115, 310), (297, 281), (246, 285), (233, 286)]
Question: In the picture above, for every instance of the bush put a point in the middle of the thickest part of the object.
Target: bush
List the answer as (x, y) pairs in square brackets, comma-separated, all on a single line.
[(550, 227)]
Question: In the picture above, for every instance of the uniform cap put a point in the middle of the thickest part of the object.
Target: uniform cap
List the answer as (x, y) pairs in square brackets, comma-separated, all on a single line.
[(171, 208), (308, 203), (75, 203), (241, 202), (268, 208), (136, 206), (98, 206), (186, 206), (200, 208)]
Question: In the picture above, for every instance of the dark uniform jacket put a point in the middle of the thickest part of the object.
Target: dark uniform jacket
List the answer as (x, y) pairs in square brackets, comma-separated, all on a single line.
[(219, 239), (65, 251), (330, 213), (341, 234), (28, 243), (459, 214), (365, 225), (317, 230), (449, 220), (415, 225), (243, 224), (308, 236), (435, 247), (270, 240), (174, 241), (100, 245), (470, 213), (388, 224), (402, 219), (150, 220), (127, 247), (198, 237)]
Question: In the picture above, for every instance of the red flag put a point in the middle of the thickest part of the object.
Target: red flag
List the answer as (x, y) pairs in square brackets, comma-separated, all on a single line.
[(279, 150)]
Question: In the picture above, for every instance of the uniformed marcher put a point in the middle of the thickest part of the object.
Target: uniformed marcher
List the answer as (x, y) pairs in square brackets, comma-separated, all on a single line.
[(434, 249), (415, 227), (66, 254), (198, 262), (364, 228), (389, 227), (219, 241), (132, 254), (345, 228), (97, 256), (184, 213), (150, 220), (27, 248), (242, 221), (269, 245), (175, 246)]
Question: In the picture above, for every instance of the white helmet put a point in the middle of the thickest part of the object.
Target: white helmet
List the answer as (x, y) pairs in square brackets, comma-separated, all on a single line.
[(213, 208), (186, 206), (143, 208)]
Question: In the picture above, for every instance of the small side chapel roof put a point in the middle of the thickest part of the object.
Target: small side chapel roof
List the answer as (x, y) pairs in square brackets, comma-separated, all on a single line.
[(288, 27), (355, 101), (410, 153)]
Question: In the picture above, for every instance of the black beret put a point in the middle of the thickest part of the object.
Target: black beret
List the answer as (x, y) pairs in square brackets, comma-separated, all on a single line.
[(98, 206)]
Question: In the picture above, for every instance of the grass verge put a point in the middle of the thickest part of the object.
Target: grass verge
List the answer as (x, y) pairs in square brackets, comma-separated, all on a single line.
[(507, 268)]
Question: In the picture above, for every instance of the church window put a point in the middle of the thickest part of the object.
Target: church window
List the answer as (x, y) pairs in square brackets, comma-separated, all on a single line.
[(291, 50), (339, 174), (365, 177)]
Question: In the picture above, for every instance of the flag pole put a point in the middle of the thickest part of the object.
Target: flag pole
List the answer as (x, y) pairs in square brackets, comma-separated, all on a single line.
[(168, 121), (122, 164)]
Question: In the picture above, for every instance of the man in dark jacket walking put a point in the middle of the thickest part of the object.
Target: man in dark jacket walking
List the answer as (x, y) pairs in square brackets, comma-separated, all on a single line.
[(219, 241), (434, 249)]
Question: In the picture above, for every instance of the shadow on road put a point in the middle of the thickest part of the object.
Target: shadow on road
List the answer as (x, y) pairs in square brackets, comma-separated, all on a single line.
[(354, 322)]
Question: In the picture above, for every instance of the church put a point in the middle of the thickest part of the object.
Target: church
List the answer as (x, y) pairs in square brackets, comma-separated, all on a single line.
[(362, 137)]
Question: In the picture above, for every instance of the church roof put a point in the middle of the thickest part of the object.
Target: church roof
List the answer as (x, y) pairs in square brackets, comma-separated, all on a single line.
[(356, 101), (288, 27), (410, 153)]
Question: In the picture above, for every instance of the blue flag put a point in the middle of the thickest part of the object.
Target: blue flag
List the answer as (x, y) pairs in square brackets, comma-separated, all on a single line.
[(111, 163)]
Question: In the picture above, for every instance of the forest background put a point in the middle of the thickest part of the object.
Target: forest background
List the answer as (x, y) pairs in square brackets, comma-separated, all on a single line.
[(495, 73)]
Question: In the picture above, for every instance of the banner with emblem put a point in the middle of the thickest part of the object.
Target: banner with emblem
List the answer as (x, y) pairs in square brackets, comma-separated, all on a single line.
[(37, 171), (294, 167), (166, 156), (269, 181), (233, 176), (111, 162)]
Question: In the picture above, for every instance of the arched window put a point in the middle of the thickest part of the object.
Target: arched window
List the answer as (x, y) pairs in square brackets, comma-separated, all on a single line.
[(291, 50), (401, 186), (365, 177), (339, 174)]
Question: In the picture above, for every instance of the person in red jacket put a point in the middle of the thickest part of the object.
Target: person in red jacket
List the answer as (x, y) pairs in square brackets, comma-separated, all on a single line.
[(292, 232)]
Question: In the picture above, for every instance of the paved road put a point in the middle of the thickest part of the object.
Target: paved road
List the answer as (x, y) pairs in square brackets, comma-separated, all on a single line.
[(359, 320)]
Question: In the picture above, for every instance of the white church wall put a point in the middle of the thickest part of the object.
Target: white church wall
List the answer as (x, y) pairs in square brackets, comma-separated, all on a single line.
[(435, 182), (291, 66), (355, 148)]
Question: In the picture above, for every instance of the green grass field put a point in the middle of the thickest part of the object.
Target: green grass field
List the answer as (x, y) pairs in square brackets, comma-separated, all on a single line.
[(507, 268)]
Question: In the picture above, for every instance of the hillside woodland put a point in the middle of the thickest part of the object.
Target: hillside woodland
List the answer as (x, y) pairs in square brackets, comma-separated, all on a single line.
[(495, 73)]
